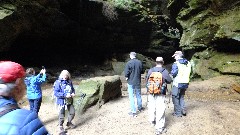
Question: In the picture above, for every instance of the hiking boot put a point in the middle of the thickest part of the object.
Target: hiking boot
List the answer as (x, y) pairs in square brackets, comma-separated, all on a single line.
[(153, 123), (132, 114), (140, 110), (164, 130), (70, 125), (184, 113), (62, 131), (177, 115)]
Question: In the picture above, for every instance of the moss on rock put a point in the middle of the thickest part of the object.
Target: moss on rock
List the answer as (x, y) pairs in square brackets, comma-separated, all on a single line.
[(98, 90), (205, 21), (208, 64), (6, 10)]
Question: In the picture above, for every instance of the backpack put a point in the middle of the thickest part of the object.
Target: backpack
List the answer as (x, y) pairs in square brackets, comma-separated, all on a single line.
[(155, 82)]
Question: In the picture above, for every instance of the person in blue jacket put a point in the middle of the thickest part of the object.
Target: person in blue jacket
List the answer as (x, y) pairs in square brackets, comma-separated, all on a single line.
[(13, 120), (181, 70), (34, 91), (64, 91)]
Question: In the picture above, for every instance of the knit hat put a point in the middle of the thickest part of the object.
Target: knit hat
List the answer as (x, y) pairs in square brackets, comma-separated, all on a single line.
[(10, 71)]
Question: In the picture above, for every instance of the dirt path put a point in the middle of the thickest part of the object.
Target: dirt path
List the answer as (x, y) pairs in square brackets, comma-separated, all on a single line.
[(205, 117)]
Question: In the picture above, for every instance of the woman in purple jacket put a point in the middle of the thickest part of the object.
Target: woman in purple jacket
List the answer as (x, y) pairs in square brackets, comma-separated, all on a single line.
[(64, 91)]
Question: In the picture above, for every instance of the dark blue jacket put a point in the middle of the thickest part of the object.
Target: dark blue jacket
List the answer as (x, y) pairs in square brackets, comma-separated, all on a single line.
[(60, 92), (132, 71), (20, 121)]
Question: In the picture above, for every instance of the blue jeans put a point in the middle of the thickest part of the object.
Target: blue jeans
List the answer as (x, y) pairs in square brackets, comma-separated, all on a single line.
[(137, 90), (178, 100), (35, 104)]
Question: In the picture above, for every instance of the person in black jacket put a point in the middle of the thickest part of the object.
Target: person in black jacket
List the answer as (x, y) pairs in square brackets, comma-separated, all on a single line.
[(132, 73)]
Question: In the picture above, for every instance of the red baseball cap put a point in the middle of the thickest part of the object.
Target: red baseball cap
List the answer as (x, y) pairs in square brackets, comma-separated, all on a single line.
[(10, 71)]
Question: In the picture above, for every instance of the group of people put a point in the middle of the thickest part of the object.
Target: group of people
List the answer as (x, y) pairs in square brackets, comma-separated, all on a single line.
[(14, 83), (63, 90), (179, 76)]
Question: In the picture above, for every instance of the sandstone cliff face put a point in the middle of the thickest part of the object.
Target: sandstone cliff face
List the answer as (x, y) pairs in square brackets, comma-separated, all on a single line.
[(78, 27), (210, 27), (210, 32), (38, 20)]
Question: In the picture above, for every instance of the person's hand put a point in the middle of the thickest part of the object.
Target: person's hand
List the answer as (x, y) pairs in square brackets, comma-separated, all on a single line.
[(43, 71), (72, 94), (68, 95)]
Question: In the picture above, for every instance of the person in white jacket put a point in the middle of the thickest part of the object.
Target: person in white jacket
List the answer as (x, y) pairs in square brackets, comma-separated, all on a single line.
[(181, 70)]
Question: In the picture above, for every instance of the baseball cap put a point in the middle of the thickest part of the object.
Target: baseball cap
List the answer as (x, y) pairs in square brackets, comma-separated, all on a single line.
[(133, 54), (159, 59), (178, 53), (10, 71)]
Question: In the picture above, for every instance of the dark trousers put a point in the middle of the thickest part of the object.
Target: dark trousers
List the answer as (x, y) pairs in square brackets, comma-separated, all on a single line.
[(178, 100), (71, 114), (35, 104)]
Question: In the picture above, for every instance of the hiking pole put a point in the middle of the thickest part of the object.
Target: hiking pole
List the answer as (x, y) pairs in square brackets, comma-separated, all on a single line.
[(169, 95), (82, 96), (147, 99)]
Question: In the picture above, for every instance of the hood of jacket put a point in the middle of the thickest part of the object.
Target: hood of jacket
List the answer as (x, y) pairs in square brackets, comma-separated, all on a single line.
[(183, 61)]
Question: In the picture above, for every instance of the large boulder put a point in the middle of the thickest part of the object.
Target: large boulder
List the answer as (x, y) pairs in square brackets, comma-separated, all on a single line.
[(98, 90), (208, 64)]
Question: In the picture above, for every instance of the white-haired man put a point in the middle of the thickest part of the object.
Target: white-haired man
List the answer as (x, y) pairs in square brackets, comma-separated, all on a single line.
[(132, 73), (13, 120), (181, 70)]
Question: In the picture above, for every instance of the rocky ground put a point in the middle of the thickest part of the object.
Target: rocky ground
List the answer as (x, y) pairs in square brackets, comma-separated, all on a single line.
[(213, 109)]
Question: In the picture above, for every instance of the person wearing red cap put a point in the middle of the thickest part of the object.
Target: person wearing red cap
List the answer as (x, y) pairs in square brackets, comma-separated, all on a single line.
[(13, 120), (34, 91)]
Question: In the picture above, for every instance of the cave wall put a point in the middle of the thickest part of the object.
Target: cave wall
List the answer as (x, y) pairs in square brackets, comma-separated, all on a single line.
[(211, 35), (60, 31), (53, 32)]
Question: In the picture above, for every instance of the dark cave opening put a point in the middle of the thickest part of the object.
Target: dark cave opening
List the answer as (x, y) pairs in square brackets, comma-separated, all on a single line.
[(227, 45), (52, 53), (88, 38)]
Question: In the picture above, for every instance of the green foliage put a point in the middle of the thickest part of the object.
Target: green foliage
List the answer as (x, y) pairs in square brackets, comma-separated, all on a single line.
[(123, 4), (6, 10)]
